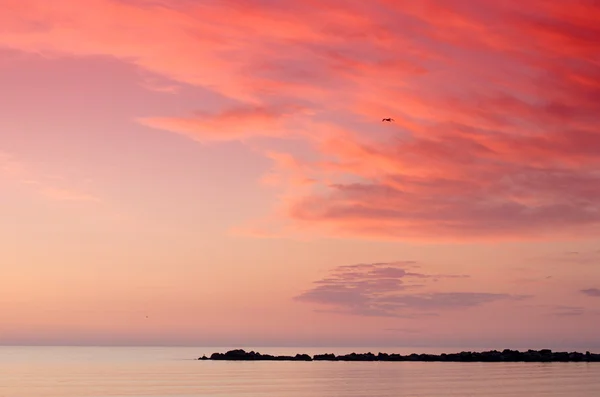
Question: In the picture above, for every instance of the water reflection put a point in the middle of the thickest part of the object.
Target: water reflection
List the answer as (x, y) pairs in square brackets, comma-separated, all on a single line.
[(100, 372)]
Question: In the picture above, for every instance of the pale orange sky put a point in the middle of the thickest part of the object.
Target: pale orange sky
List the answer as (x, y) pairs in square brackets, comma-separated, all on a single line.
[(221, 167)]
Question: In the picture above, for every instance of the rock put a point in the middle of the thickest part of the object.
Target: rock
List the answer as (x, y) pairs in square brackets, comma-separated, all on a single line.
[(302, 357), (506, 355), (324, 357)]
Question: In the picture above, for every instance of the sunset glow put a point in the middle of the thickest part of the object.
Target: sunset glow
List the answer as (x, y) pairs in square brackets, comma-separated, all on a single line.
[(216, 172)]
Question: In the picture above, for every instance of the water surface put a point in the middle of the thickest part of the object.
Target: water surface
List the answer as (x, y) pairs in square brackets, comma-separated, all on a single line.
[(172, 372)]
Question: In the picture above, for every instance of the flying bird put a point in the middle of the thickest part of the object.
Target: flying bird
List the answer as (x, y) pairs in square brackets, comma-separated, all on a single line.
[(388, 119)]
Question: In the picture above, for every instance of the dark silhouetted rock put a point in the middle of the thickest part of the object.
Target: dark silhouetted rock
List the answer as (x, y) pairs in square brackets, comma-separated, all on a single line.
[(324, 357), (302, 357), (242, 355), (506, 355)]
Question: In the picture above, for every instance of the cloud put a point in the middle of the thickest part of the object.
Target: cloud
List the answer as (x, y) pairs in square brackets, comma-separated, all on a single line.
[(15, 171), (568, 311), (559, 260), (10, 167), (592, 292), (286, 171), (388, 290), (158, 86), (62, 194), (573, 311), (580, 257), (231, 124), (405, 330), (565, 310), (496, 136), (449, 208)]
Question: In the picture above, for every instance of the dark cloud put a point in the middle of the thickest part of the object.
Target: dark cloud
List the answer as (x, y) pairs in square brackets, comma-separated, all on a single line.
[(593, 292), (388, 290)]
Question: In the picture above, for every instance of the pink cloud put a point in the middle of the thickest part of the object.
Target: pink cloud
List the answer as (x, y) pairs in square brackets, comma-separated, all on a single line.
[(522, 202), (496, 103), (231, 124), (287, 170), (391, 290)]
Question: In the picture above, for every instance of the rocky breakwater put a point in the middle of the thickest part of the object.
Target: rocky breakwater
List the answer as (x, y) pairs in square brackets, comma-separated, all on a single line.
[(506, 355), (242, 355)]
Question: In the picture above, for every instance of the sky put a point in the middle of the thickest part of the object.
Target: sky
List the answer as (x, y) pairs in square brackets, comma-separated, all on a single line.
[(217, 172)]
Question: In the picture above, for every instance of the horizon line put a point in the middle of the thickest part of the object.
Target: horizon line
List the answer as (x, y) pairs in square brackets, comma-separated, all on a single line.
[(253, 346)]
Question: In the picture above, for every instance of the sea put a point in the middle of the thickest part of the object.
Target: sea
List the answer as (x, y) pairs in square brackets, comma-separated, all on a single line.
[(176, 372)]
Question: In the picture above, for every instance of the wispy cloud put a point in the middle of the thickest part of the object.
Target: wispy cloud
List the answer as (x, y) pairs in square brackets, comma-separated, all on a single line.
[(562, 310), (390, 290), (11, 168), (577, 257), (18, 172), (405, 330), (592, 292), (62, 194), (542, 267), (231, 124), (568, 311), (496, 136)]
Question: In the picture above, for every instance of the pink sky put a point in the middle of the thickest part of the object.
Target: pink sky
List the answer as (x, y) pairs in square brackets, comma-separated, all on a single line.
[(221, 167)]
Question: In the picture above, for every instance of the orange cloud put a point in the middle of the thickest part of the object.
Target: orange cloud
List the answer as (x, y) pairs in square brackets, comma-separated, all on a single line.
[(287, 170), (497, 103), (231, 124)]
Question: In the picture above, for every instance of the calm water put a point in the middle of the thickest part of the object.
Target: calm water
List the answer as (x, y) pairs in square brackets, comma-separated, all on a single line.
[(172, 372)]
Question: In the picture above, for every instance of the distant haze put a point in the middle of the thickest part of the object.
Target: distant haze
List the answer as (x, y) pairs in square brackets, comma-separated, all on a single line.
[(217, 173)]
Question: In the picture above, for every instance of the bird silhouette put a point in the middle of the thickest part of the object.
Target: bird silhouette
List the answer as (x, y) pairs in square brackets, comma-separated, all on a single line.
[(388, 119)]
